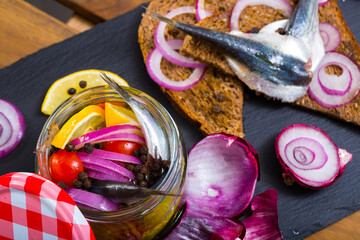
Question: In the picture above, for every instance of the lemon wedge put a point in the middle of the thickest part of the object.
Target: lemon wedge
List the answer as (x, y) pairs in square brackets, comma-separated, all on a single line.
[(65, 87), (89, 119), (115, 114)]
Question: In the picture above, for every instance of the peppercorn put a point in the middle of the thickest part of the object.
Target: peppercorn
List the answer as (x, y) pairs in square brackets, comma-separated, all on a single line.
[(136, 153), (62, 185), (88, 148), (144, 169), (143, 150), (143, 184), (87, 184), (70, 147), (77, 183), (82, 84), (137, 168), (82, 176), (97, 145), (139, 177), (143, 158), (71, 91), (130, 167), (156, 167)]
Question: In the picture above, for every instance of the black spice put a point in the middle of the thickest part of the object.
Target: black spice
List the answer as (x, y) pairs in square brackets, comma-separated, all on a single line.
[(70, 147), (143, 150), (88, 148), (87, 184), (220, 97), (71, 91), (82, 84), (82, 176), (77, 183), (136, 153)]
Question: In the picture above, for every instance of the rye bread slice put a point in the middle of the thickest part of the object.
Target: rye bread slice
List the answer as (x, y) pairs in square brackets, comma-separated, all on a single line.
[(329, 13), (213, 105)]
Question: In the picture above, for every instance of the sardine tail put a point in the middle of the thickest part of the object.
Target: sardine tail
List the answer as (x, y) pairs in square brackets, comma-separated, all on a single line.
[(153, 14)]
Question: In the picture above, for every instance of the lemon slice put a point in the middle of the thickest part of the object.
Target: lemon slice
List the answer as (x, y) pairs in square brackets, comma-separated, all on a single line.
[(115, 114), (89, 119), (65, 87)]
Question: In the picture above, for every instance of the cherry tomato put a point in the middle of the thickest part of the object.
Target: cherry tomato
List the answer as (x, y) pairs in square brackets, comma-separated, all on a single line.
[(124, 147), (65, 167)]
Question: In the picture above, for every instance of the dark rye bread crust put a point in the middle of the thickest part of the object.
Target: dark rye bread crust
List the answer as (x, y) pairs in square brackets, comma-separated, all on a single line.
[(329, 13), (214, 104)]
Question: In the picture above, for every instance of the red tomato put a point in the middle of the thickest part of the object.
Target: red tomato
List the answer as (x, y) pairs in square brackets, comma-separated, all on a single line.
[(124, 147), (65, 167)]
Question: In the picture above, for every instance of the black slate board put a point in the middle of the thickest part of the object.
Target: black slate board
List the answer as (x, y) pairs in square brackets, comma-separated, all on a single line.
[(113, 46)]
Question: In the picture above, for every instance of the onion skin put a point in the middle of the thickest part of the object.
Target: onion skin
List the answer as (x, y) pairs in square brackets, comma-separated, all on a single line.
[(229, 190), (343, 157), (194, 225), (263, 223)]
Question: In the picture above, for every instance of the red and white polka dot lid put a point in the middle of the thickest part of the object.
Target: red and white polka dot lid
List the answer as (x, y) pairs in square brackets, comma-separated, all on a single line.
[(33, 207)]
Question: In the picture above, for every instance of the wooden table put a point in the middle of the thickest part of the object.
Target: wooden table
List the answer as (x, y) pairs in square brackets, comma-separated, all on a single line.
[(25, 29)]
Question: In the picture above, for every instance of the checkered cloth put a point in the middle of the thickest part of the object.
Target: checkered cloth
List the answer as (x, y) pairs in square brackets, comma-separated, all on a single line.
[(32, 207)]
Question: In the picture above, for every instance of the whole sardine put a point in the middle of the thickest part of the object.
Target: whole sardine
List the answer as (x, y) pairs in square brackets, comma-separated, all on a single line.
[(276, 65), (155, 137)]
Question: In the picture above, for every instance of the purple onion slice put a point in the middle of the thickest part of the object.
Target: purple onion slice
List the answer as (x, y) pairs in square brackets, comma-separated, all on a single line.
[(309, 156)]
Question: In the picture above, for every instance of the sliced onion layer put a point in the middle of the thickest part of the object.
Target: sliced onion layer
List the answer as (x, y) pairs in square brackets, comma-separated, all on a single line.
[(12, 127), (331, 90), (330, 36), (104, 176), (165, 48), (201, 12), (115, 156), (103, 163), (105, 134), (196, 226), (322, 2), (309, 156), (283, 5), (91, 200), (263, 223), (222, 174), (153, 65)]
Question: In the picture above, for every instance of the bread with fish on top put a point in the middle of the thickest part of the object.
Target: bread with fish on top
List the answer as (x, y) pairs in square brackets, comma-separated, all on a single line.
[(256, 17), (213, 105)]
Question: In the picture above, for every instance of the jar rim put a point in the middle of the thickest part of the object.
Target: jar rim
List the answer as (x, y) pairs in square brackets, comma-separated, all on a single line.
[(177, 154)]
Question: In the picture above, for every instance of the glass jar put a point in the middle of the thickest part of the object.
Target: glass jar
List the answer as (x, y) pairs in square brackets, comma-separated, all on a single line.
[(145, 219)]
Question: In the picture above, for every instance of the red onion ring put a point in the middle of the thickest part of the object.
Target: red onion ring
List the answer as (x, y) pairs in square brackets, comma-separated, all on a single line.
[(153, 65), (332, 84), (201, 12), (12, 127), (330, 35), (283, 5), (165, 49), (309, 156), (322, 2), (334, 91)]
